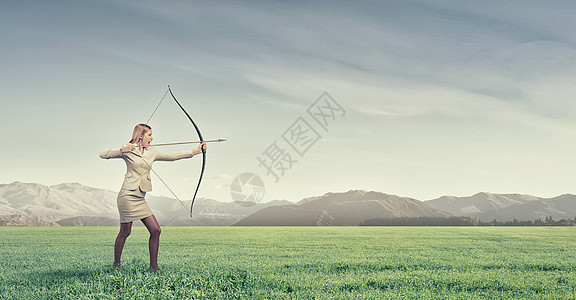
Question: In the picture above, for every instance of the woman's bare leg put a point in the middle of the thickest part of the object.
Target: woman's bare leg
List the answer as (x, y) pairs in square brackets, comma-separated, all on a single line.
[(154, 242), (125, 229)]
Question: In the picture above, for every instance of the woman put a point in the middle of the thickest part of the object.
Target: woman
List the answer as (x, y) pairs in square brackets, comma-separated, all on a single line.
[(132, 206)]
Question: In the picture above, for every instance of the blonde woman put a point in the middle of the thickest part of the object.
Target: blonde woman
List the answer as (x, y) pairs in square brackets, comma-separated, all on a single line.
[(132, 206)]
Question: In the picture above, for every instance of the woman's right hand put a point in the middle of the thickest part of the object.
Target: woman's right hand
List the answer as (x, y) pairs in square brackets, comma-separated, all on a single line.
[(127, 148)]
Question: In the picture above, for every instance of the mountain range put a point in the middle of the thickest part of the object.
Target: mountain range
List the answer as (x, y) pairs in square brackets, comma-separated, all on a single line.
[(73, 204), (76, 204), (506, 207), (343, 209)]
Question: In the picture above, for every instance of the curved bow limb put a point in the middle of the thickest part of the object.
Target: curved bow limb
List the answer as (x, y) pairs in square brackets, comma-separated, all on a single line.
[(203, 150)]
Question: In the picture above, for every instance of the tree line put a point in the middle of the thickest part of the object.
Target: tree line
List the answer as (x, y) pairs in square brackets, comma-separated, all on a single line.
[(464, 221)]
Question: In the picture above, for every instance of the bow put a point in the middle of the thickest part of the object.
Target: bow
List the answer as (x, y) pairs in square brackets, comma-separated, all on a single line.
[(200, 141), (203, 150)]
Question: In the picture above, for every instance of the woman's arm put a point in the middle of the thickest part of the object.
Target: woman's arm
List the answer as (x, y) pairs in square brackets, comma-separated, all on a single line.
[(116, 153), (111, 153), (172, 156)]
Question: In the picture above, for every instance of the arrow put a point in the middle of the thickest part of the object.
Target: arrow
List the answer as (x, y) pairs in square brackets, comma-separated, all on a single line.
[(195, 142)]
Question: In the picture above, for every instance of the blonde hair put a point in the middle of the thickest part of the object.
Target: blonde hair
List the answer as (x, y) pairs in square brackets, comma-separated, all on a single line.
[(139, 131)]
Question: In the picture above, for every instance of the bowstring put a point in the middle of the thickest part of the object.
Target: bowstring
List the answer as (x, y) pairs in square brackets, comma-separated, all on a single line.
[(157, 106), (161, 180)]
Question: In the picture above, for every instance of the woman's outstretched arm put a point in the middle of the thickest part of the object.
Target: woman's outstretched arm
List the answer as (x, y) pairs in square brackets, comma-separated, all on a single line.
[(111, 153), (171, 156)]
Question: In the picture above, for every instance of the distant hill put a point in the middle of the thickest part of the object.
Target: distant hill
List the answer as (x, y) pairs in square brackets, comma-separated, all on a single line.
[(57, 202), (88, 221), (350, 208), (561, 207), (21, 220), (505, 207), (73, 204)]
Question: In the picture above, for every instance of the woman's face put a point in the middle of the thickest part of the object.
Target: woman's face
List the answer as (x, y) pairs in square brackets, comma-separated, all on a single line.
[(147, 138)]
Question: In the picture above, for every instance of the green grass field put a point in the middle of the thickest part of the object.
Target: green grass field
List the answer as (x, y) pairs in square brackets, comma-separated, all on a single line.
[(292, 263)]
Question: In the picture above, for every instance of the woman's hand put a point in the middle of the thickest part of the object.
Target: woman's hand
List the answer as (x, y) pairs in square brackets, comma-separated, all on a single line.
[(127, 148), (200, 148)]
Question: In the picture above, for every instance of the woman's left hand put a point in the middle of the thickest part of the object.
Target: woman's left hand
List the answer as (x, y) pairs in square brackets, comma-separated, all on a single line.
[(200, 148)]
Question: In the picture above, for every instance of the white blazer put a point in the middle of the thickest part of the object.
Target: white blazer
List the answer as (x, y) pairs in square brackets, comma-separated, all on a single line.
[(138, 165)]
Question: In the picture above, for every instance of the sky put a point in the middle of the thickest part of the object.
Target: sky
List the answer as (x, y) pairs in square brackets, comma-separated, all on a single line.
[(418, 98)]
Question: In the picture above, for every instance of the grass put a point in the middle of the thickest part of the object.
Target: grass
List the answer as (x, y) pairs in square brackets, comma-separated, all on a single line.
[(292, 263)]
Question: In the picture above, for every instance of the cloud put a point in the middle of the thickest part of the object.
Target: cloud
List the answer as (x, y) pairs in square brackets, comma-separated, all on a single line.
[(222, 177)]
